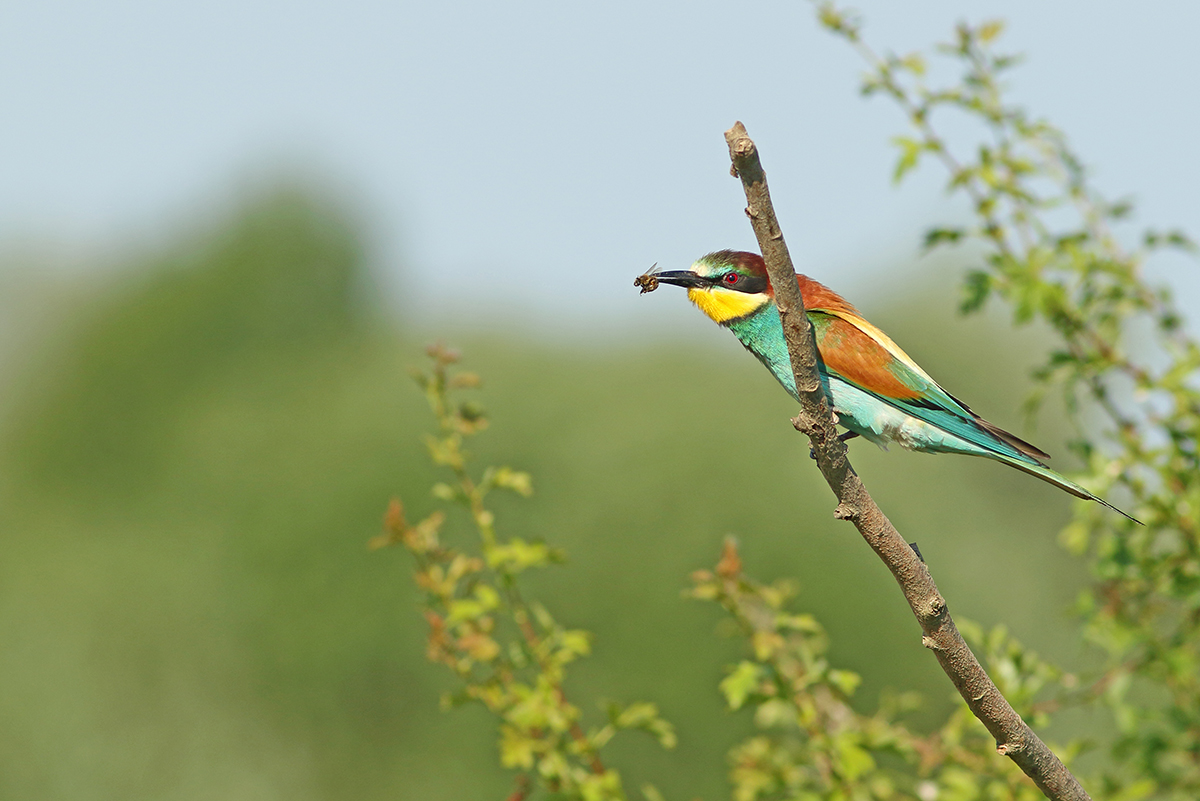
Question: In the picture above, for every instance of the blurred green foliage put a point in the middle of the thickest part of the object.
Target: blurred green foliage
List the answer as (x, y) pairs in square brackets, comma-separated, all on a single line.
[(278, 282), (192, 463)]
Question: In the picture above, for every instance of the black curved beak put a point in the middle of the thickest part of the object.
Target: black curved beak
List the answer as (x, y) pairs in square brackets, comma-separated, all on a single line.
[(684, 278)]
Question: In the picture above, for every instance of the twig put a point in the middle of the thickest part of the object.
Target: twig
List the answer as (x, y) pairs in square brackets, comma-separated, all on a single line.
[(1014, 738), (521, 792)]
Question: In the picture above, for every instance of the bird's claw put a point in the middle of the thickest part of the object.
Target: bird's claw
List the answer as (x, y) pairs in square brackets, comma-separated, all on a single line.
[(917, 551), (843, 437)]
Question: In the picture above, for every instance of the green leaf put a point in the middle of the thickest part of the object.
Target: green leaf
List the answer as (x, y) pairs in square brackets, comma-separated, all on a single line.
[(1001, 63), (775, 713), (990, 30), (1181, 240), (574, 643), (644, 716), (462, 609), (845, 680), (910, 153), (801, 622), (936, 237), (634, 715), (976, 288), (487, 596), (517, 555), (604, 786), (1120, 209), (914, 63), (516, 748), (853, 761), (740, 683), (554, 767), (515, 480), (651, 793)]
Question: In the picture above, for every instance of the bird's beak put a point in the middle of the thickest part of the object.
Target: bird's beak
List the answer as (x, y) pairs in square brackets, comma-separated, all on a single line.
[(684, 278)]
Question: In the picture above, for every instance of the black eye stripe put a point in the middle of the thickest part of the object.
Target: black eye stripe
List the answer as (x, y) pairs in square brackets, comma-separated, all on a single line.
[(750, 284)]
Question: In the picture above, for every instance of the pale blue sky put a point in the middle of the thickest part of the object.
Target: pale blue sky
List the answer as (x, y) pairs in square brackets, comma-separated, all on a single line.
[(530, 157)]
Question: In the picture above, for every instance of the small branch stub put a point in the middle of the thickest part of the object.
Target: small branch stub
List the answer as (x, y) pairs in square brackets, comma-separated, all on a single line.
[(816, 420)]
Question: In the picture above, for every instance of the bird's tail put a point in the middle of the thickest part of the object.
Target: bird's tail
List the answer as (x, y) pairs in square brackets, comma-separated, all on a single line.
[(1051, 477)]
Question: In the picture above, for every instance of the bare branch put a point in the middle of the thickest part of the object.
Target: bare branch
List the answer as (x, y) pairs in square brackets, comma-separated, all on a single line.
[(1014, 738)]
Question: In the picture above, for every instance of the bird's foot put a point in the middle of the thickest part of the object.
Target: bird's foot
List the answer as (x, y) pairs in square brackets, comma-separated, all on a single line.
[(844, 437), (917, 551)]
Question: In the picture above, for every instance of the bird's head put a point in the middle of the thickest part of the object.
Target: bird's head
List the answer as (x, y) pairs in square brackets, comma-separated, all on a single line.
[(727, 285)]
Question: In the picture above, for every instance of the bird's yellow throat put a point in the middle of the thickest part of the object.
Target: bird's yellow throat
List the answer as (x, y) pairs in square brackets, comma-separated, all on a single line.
[(724, 305)]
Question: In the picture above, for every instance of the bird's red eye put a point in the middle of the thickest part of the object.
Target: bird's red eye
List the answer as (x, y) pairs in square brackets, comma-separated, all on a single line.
[(731, 278)]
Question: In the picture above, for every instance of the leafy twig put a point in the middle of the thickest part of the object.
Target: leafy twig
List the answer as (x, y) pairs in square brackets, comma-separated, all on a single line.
[(509, 653)]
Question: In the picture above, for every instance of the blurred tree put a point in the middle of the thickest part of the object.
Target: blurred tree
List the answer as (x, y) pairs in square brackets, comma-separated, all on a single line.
[(285, 275)]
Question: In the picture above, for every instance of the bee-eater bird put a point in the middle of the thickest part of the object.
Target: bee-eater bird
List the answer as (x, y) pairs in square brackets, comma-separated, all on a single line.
[(875, 389)]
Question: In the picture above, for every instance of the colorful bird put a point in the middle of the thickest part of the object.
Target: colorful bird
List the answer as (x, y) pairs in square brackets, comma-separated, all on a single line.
[(875, 389)]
